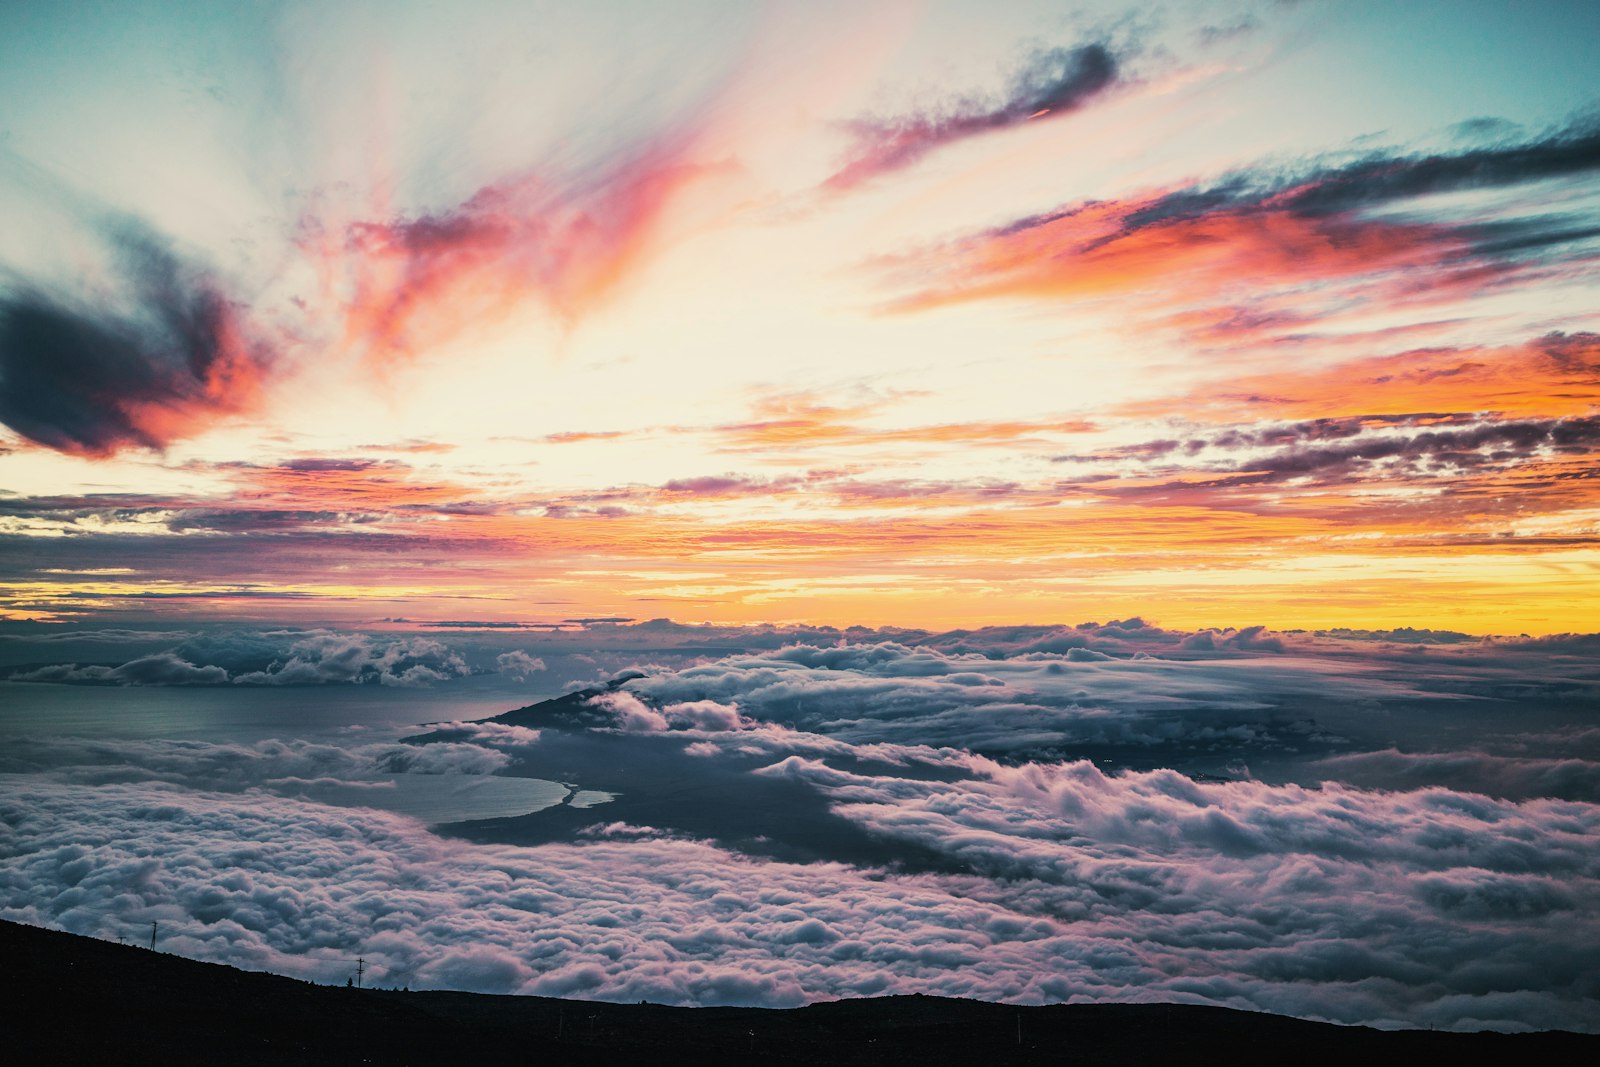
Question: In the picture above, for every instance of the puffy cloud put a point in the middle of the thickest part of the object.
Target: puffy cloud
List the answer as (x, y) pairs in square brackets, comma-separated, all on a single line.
[(1033, 705), (479, 967), (1357, 907), (704, 715), (518, 664), (336, 657), (632, 714), (494, 734), (1249, 639), (843, 818)]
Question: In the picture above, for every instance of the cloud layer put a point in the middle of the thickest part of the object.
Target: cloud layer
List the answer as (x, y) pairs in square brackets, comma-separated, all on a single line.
[(315, 657), (1430, 908), (987, 813)]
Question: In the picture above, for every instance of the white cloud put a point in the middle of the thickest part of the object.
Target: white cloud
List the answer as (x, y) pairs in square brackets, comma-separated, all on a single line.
[(1357, 907), (518, 664), (1026, 877)]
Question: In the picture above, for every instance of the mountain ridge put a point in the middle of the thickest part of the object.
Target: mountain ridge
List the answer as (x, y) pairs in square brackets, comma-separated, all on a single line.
[(137, 1004)]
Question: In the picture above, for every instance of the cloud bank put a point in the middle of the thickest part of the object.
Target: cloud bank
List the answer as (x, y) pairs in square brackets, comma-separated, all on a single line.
[(1428, 908), (289, 657), (987, 813)]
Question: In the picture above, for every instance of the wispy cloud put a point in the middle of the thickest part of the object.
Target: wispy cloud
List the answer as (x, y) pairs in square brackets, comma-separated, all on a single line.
[(1301, 247), (1052, 83), (786, 421), (566, 242), (1555, 374)]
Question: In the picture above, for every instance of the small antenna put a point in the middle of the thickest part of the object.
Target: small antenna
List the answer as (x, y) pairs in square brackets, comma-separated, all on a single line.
[(152, 937), (361, 967)]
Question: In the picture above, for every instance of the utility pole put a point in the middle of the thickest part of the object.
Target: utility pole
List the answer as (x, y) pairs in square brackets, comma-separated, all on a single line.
[(152, 937)]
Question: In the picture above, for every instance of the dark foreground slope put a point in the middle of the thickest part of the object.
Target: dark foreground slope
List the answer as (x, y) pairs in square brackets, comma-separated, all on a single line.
[(71, 999)]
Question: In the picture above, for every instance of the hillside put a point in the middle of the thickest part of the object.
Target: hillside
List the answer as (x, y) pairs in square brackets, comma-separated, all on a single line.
[(75, 999)]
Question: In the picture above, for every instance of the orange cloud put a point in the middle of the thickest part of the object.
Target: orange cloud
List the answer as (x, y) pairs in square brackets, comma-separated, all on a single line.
[(1107, 249), (418, 282), (1554, 375), (792, 421), (92, 379), (1257, 258)]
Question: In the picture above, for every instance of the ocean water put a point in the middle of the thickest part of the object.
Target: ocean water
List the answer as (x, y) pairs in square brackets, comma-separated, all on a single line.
[(346, 716), (246, 713)]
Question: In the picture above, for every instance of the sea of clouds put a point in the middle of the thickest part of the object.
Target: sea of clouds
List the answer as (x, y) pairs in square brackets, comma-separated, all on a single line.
[(1032, 840)]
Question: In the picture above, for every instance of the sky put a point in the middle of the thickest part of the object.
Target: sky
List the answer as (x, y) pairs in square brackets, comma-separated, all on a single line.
[(904, 314), (1043, 502)]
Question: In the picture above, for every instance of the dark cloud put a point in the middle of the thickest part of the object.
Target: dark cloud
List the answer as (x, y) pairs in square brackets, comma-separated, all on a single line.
[(1497, 442), (111, 636), (1272, 435), (163, 668), (1248, 639), (716, 486), (1374, 181), (1053, 82), (93, 379), (1383, 179), (1355, 448), (1405, 635), (317, 465), (1307, 243)]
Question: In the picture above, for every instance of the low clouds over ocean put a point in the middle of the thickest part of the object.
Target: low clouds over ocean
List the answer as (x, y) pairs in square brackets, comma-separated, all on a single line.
[(1105, 812)]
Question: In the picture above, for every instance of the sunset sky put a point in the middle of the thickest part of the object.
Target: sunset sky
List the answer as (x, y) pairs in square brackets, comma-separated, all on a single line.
[(898, 314), (733, 503)]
